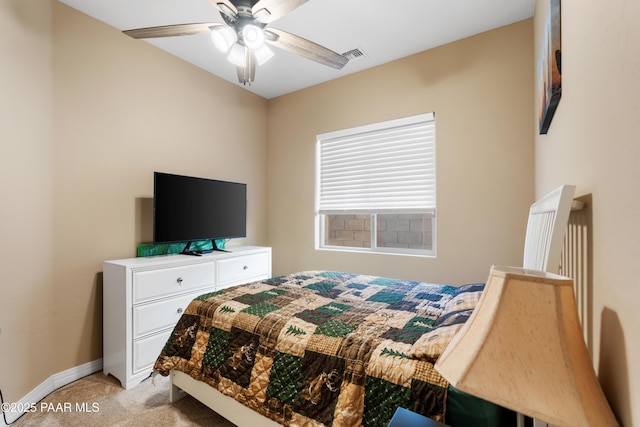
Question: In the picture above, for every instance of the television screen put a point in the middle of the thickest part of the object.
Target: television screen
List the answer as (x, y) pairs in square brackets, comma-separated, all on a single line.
[(187, 209)]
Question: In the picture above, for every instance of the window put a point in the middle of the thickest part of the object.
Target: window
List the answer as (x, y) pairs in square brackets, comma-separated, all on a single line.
[(375, 187)]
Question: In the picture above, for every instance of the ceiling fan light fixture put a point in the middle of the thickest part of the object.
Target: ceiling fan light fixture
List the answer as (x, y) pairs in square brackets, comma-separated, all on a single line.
[(238, 55), (263, 54), (223, 38), (253, 36), (243, 35)]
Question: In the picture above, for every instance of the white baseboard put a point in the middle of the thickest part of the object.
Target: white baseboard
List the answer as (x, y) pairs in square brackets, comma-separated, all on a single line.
[(50, 385)]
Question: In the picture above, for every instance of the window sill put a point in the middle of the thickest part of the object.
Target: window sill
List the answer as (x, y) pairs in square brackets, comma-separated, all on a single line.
[(417, 253)]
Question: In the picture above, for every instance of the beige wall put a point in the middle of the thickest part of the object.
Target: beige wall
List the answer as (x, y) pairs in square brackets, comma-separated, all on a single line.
[(480, 89), (87, 115), (26, 167), (593, 143)]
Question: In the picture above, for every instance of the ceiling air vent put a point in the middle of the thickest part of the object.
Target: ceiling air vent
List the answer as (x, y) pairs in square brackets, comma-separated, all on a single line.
[(356, 54)]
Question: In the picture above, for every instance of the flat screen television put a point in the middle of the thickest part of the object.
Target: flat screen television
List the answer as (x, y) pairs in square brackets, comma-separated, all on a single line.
[(189, 209)]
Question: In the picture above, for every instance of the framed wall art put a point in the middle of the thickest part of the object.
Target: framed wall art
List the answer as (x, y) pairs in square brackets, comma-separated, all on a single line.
[(549, 67)]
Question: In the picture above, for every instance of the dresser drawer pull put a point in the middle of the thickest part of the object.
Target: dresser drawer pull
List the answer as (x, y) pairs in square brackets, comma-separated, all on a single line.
[(180, 310), (179, 280), (246, 267)]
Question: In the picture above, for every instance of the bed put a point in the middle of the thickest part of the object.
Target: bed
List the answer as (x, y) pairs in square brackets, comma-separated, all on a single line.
[(335, 348)]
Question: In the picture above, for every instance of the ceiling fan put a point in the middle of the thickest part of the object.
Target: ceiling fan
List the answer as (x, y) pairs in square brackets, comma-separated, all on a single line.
[(244, 35)]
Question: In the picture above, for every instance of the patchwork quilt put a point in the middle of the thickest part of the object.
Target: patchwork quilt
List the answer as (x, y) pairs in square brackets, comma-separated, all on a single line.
[(321, 347)]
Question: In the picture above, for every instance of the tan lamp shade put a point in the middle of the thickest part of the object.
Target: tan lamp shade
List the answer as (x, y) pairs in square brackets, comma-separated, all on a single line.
[(522, 348)]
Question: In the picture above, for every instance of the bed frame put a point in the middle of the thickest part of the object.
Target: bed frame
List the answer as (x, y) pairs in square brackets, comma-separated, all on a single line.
[(234, 411), (544, 241), (546, 226)]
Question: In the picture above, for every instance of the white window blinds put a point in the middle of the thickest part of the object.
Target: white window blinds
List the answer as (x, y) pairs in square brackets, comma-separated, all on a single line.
[(387, 166)]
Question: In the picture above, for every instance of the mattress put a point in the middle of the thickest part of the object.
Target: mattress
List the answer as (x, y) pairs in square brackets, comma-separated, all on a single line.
[(323, 347)]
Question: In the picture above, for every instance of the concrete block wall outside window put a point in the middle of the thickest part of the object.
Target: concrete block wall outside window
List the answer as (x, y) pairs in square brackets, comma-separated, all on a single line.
[(413, 231)]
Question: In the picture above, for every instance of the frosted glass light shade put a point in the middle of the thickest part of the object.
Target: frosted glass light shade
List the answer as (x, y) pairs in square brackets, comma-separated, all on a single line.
[(237, 55), (263, 54), (522, 348), (223, 38), (253, 36)]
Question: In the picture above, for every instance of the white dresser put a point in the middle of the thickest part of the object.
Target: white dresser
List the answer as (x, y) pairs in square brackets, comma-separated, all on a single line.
[(143, 298)]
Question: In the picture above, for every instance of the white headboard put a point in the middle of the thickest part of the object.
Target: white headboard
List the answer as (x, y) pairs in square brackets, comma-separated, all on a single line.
[(548, 218), (544, 241)]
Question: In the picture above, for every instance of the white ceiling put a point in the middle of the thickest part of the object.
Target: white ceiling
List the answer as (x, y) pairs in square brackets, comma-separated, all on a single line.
[(384, 30)]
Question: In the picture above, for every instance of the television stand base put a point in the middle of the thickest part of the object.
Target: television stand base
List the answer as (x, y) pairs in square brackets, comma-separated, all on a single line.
[(193, 253), (208, 251), (199, 252)]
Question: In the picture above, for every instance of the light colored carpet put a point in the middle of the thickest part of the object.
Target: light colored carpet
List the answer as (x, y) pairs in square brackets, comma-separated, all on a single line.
[(98, 400)]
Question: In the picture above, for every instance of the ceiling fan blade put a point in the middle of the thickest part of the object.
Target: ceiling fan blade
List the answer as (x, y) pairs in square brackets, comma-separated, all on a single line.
[(308, 49), (225, 7), (247, 74), (275, 8), (172, 30)]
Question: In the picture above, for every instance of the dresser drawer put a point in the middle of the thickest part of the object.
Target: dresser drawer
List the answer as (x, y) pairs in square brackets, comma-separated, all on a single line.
[(157, 315), (153, 284), (147, 350), (238, 270)]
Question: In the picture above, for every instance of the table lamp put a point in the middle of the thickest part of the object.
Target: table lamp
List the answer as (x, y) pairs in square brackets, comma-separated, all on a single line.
[(522, 348)]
